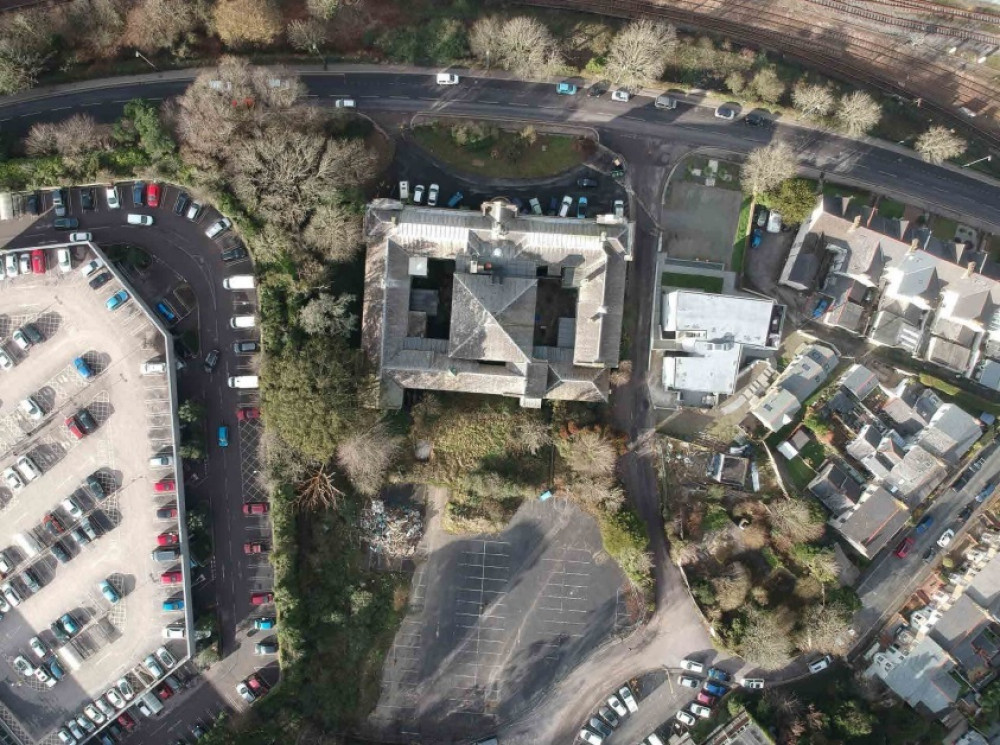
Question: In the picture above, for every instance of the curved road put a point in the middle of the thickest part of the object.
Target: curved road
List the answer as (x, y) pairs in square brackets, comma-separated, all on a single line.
[(647, 136)]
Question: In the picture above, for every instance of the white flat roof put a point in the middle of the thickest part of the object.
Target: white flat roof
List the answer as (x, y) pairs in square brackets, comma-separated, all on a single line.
[(712, 369), (712, 317)]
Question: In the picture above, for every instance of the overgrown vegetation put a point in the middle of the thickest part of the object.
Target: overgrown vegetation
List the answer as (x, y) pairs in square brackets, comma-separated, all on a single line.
[(702, 282)]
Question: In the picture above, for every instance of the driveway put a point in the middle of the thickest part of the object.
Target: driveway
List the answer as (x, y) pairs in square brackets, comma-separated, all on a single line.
[(699, 222)]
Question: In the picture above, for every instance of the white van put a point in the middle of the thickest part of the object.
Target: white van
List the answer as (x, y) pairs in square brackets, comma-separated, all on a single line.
[(244, 381), (242, 322), (239, 282), (148, 704), (404, 191), (447, 78), (27, 543), (137, 219)]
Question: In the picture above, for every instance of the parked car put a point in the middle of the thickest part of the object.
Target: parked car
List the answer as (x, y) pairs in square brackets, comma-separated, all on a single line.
[(111, 195), (117, 300), (692, 666), (161, 461), (255, 508), (245, 693), (418, 194), (6, 361), (254, 547), (716, 690), (626, 693), (261, 598), (566, 89), (38, 262), (171, 578), (946, 538), (181, 203), (581, 208), (134, 218), (218, 227), (725, 112), (223, 436), (234, 254), (61, 223), (686, 719), (153, 195), (108, 591), (246, 413), (263, 648), (904, 547), (138, 188), (164, 656), (166, 513), (152, 666), (689, 682), (432, 195), (165, 485), (819, 665), (925, 522), (704, 698), (100, 280), (591, 738), (716, 673), (702, 711), (245, 347), (621, 96), (265, 623)]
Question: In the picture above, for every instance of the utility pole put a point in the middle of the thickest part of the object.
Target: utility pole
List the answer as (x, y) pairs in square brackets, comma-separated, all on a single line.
[(143, 57), (987, 158)]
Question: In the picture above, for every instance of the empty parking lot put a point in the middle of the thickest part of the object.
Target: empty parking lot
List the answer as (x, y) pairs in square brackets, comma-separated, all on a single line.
[(494, 620), (108, 528)]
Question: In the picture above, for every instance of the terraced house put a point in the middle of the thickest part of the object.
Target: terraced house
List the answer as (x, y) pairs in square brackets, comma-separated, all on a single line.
[(493, 301)]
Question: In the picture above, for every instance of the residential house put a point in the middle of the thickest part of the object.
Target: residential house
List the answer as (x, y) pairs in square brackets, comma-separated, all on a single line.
[(811, 366), (836, 488), (970, 636), (920, 673), (493, 301), (872, 522)]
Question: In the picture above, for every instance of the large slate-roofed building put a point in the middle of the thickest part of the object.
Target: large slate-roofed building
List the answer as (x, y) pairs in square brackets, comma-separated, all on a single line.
[(493, 301)]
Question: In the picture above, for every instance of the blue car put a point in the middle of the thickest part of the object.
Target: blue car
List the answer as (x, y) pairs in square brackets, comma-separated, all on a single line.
[(456, 199), (756, 237), (715, 673), (109, 592), (581, 208), (69, 624), (715, 689), (117, 300), (566, 89), (176, 604), (166, 312), (924, 524), (83, 368), (55, 669), (265, 624), (223, 436)]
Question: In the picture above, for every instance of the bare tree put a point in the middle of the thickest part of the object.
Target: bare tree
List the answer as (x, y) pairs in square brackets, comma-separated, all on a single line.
[(307, 35), (334, 231), (639, 52), (328, 314), (94, 27), (70, 137), (622, 375), (41, 139), (589, 453), (858, 113), (825, 628), (767, 85), (25, 45), (366, 457), (522, 45), (793, 519), (764, 642), (152, 25), (242, 23), (938, 144), (600, 494), (731, 589), (766, 167), (736, 82), (323, 9), (318, 491), (813, 100), (531, 435)]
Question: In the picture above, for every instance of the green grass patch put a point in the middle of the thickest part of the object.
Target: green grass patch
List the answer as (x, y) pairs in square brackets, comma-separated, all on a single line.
[(800, 472), (860, 196), (740, 241), (814, 454), (692, 282), (502, 154), (944, 228), (969, 401), (891, 208)]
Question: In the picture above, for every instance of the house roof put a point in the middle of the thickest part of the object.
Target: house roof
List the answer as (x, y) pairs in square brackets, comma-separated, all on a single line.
[(835, 488), (950, 433), (776, 409), (859, 381), (916, 475), (714, 317), (989, 374), (953, 355), (877, 518), (491, 320), (918, 276), (921, 678)]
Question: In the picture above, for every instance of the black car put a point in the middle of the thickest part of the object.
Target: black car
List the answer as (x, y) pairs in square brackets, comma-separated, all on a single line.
[(234, 254), (245, 347), (755, 120), (87, 198), (100, 280), (211, 360), (183, 200), (87, 421), (586, 183), (598, 89), (137, 191), (930, 554), (31, 204), (966, 512), (96, 487), (62, 556), (31, 331), (65, 223), (57, 628)]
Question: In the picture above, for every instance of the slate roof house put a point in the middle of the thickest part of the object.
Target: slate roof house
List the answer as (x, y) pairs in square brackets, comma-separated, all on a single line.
[(803, 376), (493, 301)]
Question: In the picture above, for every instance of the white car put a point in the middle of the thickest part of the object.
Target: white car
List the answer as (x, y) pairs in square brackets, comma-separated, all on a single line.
[(104, 708), (38, 647), (28, 468), (161, 461), (152, 666), (22, 341), (692, 666), (153, 368), (13, 479), (774, 222), (173, 632), (245, 693), (620, 95), (165, 657), (134, 218), (447, 78), (418, 194), (689, 682), (91, 266), (64, 260), (345, 103), (23, 666), (24, 264), (11, 264), (626, 693), (115, 699), (78, 238), (125, 689), (821, 664), (72, 507), (10, 594), (6, 361), (754, 684), (65, 738), (31, 408), (702, 711), (684, 718), (432, 195), (615, 703), (93, 714), (946, 538), (43, 677), (111, 193), (592, 738)]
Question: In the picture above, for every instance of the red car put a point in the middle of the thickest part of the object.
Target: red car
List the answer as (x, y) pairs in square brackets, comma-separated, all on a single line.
[(38, 261), (74, 426), (247, 412), (126, 721), (171, 578), (53, 525), (165, 485), (256, 508), (704, 698), (256, 684), (254, 548), (166, 539), (904, 548), (164, 692), (153, 195), (260, 598)]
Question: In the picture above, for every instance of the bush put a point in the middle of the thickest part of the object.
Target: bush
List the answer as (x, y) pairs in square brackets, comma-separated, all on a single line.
[(625, 540)]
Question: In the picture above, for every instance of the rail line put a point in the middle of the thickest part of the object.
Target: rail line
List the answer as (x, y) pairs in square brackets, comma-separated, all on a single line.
[(934, 8), (913, 24), (850, 56)]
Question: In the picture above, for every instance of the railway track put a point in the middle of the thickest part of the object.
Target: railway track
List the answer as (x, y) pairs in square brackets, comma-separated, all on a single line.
[(848, 53), (933, 8), (912, 24)]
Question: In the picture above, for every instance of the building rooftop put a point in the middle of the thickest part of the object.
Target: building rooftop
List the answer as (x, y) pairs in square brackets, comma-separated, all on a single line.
[(713, 317), (803, 376), (835, 488), (916, 475), (921, 677), (859, 381), (950, 433), (873, 523)]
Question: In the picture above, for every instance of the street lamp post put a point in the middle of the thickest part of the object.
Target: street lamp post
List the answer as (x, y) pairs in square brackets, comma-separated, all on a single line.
[(143, 57), (987, 158)]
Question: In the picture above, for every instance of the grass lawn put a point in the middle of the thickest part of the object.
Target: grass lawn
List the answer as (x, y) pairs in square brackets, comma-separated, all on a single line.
[(549, 155), (944, 228), (836, 190), (800, 472), (727, 176), (891, 208), (814, 454), (692, 282), (740, 241), (972, 403)]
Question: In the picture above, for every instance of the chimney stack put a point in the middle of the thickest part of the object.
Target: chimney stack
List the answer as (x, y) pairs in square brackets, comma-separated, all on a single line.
[(970, 269), (854, 226), (913, 245)]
